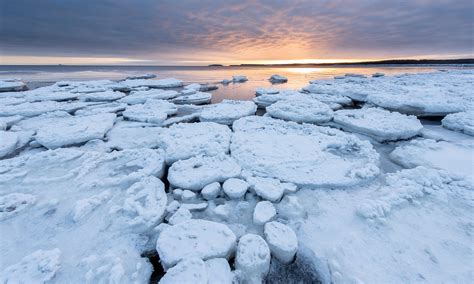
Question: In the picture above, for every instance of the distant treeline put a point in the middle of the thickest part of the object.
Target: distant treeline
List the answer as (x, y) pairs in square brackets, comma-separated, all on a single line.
[(381, 62)]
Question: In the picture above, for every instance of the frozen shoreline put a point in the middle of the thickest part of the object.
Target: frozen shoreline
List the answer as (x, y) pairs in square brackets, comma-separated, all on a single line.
[(98, 173)]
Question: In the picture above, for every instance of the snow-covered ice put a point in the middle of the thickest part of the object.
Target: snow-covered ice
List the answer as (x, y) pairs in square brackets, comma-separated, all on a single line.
[(199, 171), (198, 98), (218, 271), (235, 188), (143, 76), (102, 96), (461, 121), (195, 238), (12, 85), (211, 191), (28, 109), (252, 258), (301, 110), (282, 241), (189, 270), (380, 124), (264, 212), (301, 153), (239, 79), (39, 267), (275, 78), (153, 83), (140, 97), (152, 111), (227, 111)]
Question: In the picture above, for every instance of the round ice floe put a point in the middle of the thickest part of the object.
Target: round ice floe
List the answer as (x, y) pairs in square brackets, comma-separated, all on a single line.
[(8, 142), (461, 121), (162, 83), (267, 188), (134, 137), (227, 111), (282, 241), (380, 124), (211, 191), (301, 110), (74, 130), (252, 258), (196, 172), (153, 111), (302, 154), (264, 212), (181, 215), (189, 270), (38, 267), (33, 109), (198, 98), (113, 107), (239, 79), (145, 204), (188, 195), (275, 78), (235, 188), (195, 238), (13, 203), (140, 97), (102, 96), (185, 140), (266, 91), (223, 211), (218, 271), (454, 157)]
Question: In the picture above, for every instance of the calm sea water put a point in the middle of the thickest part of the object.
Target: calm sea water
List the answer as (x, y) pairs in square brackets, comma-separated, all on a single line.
[(297, 77)]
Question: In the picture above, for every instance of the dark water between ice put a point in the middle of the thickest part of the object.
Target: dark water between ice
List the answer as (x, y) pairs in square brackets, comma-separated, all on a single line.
[(297, 77)]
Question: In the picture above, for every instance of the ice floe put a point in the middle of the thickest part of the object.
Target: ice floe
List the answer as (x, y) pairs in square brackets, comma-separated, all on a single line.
[(275, 79), (152, 111), (264, 212), (102, 96), (198, 98), (143, 76), (218, 271), (211, 191), (282, 241), (380, 124), (134, 137), (252, 258), (235, 188), (195, 238), (227, 111), (239, 79), (152, 83), (39, 267), (461, 121), (28, 109), (140, 97), (301, 110), (12, 85), (302, 154), (199, 171)]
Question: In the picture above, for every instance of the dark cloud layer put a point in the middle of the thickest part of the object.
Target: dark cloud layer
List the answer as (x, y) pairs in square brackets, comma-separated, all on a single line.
[(243, 30)]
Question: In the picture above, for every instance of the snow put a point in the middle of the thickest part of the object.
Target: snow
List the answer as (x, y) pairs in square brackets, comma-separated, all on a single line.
[(74, 130), (275, 78), (239, 79), (380, 124), (39, 267), (454, 157), (461, 121), (140, 97), (185, 140), (102, 96), (199, 171), (190, 270), (301, 110), (305, 155), (159, 84), (218, 271), (11, 85), (198, 98), (282, 241), (13, 203), (227, 111), (195, 238), (86, 206), (211, 191), (252, 258), (264, 212), (235, 188), (181, 215), (152, 111)]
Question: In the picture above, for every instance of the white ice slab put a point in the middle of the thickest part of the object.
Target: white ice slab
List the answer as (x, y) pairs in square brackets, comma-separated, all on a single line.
[(198, 98), (301, 110), (159, 84), (152, 111), (252, 258), (140, 97), (461, 122), (282, 241), (227, 111)]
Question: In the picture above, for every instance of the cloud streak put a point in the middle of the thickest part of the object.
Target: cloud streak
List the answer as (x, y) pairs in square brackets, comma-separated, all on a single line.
[(168, 31)]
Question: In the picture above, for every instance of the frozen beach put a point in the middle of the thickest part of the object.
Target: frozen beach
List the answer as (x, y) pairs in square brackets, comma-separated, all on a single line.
[(237, 175)]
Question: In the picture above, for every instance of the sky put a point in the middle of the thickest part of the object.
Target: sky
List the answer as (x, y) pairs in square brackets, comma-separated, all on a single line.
[(181, 32)]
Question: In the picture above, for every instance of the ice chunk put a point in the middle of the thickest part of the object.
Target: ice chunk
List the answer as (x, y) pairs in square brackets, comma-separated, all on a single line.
[(301, 110), (355, 75), (153, 111), (264, 212), (189, 270), (282, 241), (188, 195), (218, 271), (134, 137), (198, 98), (196, 172), (302, 154), (211, 191), (253, 258), (38, 267), (33, 109), (143, 76), (140, 97), (227, 111), (13, 203), (378, 74), (455, 157), (185, 140), (275, 78), (181, 215), (266, 91), (239, 79), (12, 85), (461, 121), (159, 84), (85, 206), (235, 188), (8, 142), (380, 124), (195, 238), (74, 130), (223, 211), (267, 188), (102, 108), (102, 96)]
